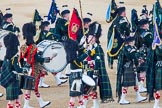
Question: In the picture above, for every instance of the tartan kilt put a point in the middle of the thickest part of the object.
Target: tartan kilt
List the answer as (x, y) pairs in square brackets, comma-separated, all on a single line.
[(158, 78), (71, 79), (13, 91), (129, 77)]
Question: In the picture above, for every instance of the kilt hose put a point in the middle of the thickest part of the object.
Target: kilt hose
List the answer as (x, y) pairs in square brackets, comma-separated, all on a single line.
[(104, 82), (129, 77), (158, 78), (13, 91)]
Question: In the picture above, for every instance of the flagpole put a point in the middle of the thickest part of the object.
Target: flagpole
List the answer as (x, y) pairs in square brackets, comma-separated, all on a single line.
[(81, 14)]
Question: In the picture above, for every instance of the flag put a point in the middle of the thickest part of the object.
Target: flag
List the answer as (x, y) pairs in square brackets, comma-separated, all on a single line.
[(115, 44), (52, 14), (157, 40), (111, 11), (36, 17), (134, 20), (74, 25)]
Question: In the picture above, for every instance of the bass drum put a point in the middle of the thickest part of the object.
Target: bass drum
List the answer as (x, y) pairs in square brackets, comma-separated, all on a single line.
[(48, 48), (3, 33)]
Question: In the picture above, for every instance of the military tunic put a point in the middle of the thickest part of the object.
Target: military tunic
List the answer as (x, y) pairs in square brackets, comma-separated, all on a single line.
[(61, 29)]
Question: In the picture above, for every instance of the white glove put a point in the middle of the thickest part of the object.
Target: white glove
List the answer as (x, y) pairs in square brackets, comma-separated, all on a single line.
[(95, 45), (83, 39)]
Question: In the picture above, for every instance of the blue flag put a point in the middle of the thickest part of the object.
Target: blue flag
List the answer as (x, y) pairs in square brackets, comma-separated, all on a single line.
[(108, 14), (157, 40), (53, 12), (111, 11)]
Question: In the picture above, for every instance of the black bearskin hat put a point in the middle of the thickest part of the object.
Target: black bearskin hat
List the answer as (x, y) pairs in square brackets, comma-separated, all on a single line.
[(29, 31), (11, 43), (97, 33)]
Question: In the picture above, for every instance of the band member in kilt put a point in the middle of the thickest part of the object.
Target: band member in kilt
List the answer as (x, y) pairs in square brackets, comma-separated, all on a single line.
[(126, 69), (143, 42), (76, 86), (28, 53), (45, 34), (8, 77), (122, 27), (91, 67), (105, 90)]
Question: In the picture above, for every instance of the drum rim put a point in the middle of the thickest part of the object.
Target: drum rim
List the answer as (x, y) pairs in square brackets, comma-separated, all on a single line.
[(49, 70), (90, 78)]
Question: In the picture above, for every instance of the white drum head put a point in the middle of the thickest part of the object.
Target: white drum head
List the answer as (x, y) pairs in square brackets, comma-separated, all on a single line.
[(88, 80), (58, 63)]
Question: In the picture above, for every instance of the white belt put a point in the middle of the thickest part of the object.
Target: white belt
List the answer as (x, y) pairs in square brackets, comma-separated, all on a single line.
[(77, 70)]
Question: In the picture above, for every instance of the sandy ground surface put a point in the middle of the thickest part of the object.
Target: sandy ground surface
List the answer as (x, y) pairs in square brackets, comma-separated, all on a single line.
[(23, 11)]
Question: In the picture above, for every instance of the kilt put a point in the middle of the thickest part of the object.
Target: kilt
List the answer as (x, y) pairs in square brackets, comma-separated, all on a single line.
[(158, 78), (75, 76), (129, 77), (13, 91)]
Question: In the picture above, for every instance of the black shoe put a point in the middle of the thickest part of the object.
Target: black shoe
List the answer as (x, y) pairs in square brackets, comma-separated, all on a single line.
[(62, 83), (64, 77)]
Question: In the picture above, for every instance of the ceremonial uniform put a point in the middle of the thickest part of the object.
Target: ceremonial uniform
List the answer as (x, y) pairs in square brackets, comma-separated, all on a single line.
[(122, 27), (61, 29), (76, 66), (28, 53), (143, 42), (126, 76), (9, 79)]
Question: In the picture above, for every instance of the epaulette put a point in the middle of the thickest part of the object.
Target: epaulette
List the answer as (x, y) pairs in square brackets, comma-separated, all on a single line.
[(48, 34)]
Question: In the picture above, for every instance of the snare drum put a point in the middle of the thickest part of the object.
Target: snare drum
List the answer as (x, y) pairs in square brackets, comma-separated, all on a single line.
[(47, 49), (89, 84), (3, 33), (27, 82)]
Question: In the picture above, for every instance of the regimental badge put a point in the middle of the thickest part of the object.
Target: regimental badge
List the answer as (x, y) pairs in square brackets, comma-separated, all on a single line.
[(115, 43), (75, 28)]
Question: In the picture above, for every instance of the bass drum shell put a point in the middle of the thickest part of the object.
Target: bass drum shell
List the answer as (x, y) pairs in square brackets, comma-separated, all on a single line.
[(48, 48)]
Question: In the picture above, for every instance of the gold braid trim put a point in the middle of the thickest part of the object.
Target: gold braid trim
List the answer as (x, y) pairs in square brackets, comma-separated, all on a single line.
[(79, 65)]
